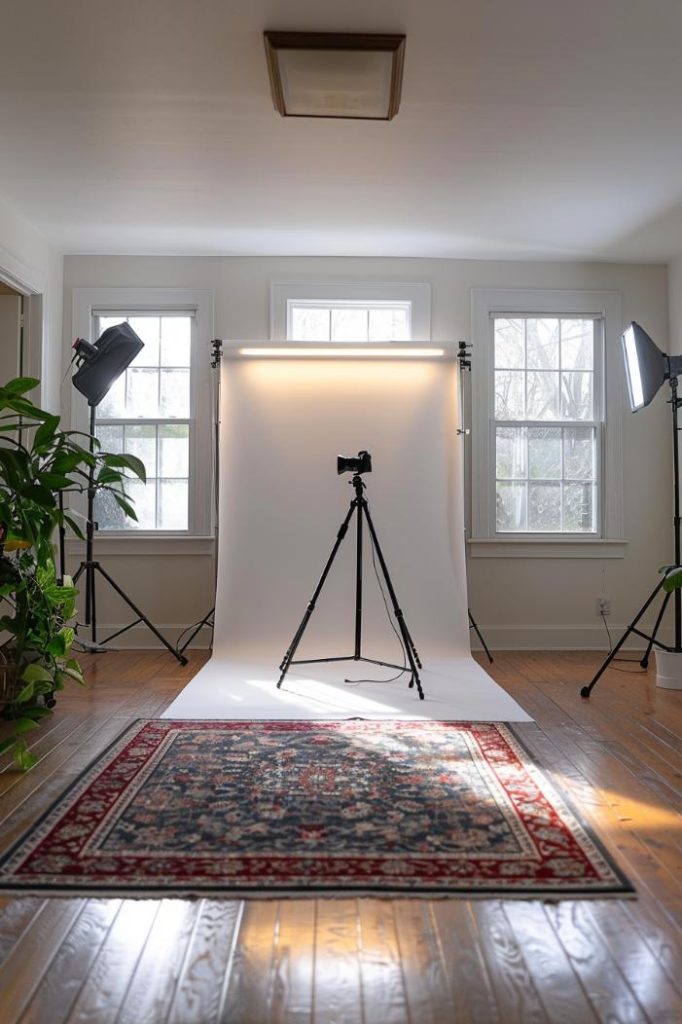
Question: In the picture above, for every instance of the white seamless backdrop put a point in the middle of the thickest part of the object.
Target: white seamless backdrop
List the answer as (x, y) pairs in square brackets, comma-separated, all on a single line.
[(283, 423)]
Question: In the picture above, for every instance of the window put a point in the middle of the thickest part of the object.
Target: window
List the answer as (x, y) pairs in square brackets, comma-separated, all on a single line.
[(147, 413), (160, 409), (348, 321), (547, 423), (546, 407), (355, 312)]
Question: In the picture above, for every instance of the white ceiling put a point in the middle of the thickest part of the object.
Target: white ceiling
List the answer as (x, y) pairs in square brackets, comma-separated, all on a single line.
[(528, 129)]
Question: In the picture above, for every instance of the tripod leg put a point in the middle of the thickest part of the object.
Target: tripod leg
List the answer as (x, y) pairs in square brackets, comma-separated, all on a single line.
[(587, 690), (477, 631), (291, 649), (400, 618), (143, 618), (645, 660)]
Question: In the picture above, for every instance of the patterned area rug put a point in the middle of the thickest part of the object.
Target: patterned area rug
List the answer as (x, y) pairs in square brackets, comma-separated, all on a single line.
[(265, 807)]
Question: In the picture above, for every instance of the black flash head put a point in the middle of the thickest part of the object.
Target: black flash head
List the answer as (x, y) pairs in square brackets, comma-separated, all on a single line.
[(351, 464)]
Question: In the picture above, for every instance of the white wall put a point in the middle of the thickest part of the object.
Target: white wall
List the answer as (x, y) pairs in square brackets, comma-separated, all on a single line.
[(518, 602), (32, 266), (10, 313)]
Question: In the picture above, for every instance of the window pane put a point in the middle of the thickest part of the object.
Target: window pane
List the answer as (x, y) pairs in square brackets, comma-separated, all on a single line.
[(105, 322), (108, 515), (544, 453), (174, 450), (310, 324), (510, 507), (542, 396), (509, 394), (113, 405), (542, 344), (176, 333), (142, 386), (510, 346), (579, 508), (349, 324), (175, 393), (111, 438), (577, 401), (144, 496), (510, 453), (146, 328), (141, 441), (544, 508), (580, 447), (173, 505), (388, 325), (577, 344)]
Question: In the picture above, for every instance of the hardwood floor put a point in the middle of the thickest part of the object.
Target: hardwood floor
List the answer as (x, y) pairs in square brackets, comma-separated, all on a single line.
[(369, 960)]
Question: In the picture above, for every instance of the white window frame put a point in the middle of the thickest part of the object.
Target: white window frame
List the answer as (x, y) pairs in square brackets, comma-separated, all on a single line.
[(605, 307), (91, 302), (285, 294)]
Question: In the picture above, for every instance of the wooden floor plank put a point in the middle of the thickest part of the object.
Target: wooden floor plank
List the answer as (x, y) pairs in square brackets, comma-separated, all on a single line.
[(381, 972), (106, 985), (337, 992), (202, 979), (39, 943), (71, 965)]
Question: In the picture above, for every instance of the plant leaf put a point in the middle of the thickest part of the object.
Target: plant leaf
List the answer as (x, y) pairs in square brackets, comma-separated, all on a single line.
[(35, 673)]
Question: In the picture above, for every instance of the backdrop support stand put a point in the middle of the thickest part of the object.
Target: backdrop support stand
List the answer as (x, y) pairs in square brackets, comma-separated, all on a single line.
[(209, 617), (464, 360), (674, 403), (359, 506)]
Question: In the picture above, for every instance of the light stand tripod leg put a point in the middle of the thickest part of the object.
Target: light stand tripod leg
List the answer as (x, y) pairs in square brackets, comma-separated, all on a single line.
[(291, 650), (141, 616), (400, 618), (477, 631), (587, 690), (645, 660)]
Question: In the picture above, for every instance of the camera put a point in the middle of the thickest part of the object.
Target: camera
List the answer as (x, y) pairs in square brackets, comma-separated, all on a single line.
[(350, 464)]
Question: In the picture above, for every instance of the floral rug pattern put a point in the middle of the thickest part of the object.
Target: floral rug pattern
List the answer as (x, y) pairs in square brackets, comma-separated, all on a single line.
[(297, 808)]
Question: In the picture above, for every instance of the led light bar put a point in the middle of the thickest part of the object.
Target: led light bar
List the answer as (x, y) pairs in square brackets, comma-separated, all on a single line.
[(342, 352)]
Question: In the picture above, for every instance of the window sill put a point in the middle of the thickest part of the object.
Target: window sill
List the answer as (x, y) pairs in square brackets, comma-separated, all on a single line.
[(135, 544), (530, 547)]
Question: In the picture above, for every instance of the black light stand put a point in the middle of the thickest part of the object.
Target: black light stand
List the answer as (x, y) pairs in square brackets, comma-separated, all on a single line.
[(464, 360), (653, 369), (209, 617), (91, 568), (360, 506)]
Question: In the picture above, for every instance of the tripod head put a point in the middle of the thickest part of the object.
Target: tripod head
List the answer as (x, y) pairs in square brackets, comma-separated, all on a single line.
[(358, 483)]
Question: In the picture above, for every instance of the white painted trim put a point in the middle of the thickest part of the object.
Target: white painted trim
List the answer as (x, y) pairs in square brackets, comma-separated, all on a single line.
[(416, 293), (543, 547), (559, 638), (200, 303), (606, 304), (132, 544)]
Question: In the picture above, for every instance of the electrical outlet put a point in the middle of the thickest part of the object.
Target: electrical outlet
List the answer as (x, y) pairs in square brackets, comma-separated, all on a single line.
[(603, 606)]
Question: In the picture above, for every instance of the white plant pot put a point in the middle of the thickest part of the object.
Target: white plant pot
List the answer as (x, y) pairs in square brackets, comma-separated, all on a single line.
[(669, 669)]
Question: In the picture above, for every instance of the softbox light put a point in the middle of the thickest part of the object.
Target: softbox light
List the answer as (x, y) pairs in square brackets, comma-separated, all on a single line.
[(646, 367), (103, 363)]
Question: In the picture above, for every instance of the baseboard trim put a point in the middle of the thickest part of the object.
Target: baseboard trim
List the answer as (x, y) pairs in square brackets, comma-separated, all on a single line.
[(498, 638), (559, 638), (140, 638)]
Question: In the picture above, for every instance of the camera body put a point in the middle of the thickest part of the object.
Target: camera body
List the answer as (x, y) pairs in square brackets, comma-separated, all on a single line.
[(351, 464)]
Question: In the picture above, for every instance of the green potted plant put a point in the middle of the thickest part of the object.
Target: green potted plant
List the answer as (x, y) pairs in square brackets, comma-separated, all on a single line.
[(41, 467), (669, 663)]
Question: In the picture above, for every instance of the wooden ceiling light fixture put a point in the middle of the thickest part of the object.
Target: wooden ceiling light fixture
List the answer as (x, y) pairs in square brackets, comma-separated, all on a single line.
[(335, 74)]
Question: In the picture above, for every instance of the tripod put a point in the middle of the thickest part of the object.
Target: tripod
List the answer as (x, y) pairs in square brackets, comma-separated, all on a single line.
[(360, 506), (675, 403), (91, 568)]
